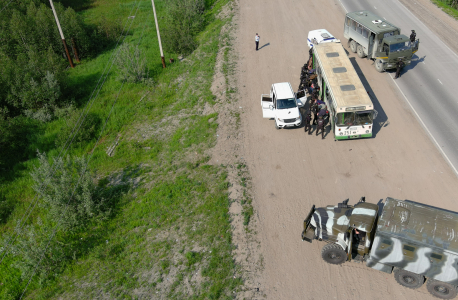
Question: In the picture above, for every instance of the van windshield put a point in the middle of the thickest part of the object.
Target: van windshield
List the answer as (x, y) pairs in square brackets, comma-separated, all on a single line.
[(354, 118), (399, 46), (286, 103)]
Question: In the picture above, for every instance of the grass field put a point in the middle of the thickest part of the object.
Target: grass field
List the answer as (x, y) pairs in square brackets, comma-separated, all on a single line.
[(446, 8), (169, 231)]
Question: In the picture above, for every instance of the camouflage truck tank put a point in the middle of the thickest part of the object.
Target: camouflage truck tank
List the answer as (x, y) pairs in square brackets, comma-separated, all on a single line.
[(416, 242)]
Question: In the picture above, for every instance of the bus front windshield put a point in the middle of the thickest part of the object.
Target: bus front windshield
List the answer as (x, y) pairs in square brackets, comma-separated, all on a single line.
[(354, 118), (286, 103), (399, 46)]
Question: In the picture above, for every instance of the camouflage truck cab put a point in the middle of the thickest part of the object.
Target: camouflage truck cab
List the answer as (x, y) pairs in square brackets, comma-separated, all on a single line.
[(417, 242)]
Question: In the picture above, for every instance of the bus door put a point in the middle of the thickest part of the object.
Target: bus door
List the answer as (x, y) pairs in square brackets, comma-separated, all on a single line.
[(371, 46)]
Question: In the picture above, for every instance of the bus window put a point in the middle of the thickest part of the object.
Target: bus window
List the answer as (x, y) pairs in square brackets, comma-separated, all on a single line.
[(365, 33), (353, 25), (359, 28), (348, 22), (345, 119), (399, 46), (363, 118)]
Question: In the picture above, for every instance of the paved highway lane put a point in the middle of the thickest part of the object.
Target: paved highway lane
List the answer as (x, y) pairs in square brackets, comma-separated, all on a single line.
[(429, 84)]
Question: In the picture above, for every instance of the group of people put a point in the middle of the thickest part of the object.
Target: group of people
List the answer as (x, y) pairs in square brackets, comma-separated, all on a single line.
[(317, 107)]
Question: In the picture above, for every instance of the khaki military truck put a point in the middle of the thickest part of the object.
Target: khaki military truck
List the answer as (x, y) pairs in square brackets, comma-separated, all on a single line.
[(416, 242), (377, 39)]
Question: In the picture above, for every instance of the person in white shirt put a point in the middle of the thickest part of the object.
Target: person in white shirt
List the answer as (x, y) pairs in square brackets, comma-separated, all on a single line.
[(257, 37)]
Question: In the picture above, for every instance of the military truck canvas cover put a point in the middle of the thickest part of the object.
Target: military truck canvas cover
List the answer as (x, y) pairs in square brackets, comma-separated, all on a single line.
[(343, 82), (372, 22), (418, 238)]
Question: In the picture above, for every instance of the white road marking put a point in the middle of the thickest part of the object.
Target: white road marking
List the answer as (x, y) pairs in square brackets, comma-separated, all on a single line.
[(439, 81), (428, 28), (427, 130), (346, 10)]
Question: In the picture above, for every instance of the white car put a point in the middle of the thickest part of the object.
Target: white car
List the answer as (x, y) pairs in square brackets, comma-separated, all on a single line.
[(319, 36), (282, 105)]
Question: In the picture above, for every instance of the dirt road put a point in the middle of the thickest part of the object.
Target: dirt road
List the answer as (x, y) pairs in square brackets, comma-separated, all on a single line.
[(291, 170)]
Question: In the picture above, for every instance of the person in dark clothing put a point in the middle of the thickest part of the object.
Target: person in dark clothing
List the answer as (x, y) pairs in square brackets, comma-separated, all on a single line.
[(413, 35), (308, 119), (399, 66), (359, 236), (315, 110), (320, 126)]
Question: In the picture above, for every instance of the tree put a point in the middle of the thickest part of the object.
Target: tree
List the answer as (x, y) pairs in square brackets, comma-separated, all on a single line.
[(184, 20)]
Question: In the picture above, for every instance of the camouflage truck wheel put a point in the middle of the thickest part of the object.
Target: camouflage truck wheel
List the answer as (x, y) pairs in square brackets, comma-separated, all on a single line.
[(440, 289), (408, 279), (333, 254)]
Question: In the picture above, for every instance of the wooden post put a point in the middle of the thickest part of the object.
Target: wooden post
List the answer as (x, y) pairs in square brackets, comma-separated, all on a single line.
[(61, 34), (75, 51), (158, 35)]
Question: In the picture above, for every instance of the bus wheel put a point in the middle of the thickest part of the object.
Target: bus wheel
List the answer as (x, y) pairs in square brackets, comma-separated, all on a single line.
[(379, 66), (353, 46), (441, 290), (360, 51)]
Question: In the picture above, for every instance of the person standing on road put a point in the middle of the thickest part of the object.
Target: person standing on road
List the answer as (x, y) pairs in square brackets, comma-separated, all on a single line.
[(399, 66), (308, 119), (256, 39)]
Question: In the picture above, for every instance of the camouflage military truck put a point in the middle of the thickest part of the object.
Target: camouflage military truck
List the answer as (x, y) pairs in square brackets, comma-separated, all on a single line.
[(416, 242), (372, 37)]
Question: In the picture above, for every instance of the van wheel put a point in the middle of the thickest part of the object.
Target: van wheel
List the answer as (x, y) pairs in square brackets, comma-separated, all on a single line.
[(333, 254), (379, 66), (441, 289), (408, 279), (360, 51), (353, 46), (276, 126)]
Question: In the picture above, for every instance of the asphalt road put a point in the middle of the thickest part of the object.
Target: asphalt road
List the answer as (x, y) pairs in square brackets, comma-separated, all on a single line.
[(429, 83)]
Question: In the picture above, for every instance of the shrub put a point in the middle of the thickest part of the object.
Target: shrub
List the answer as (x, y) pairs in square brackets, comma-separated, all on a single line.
[(184, 20), (68, 193), (131, 64)]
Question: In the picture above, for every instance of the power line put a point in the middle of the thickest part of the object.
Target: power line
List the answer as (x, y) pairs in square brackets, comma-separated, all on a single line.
[(82, 173), (73, 133), (6, 6)]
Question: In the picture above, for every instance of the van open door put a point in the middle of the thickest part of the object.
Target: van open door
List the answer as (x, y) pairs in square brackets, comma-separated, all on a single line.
[(267, 105)]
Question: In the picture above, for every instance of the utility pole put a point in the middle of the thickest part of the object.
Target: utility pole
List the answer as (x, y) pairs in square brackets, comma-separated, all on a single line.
[(61, 35), (158, 35), (75, 51)]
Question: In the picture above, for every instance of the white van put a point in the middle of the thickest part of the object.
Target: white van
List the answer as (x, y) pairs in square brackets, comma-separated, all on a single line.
[(319, 36)]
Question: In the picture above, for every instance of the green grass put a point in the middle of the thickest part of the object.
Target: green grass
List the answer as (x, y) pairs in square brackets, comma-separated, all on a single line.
[(170, 215), (447, 8)]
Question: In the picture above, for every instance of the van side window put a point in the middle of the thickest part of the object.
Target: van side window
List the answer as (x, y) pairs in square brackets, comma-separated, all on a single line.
[(353, 25)]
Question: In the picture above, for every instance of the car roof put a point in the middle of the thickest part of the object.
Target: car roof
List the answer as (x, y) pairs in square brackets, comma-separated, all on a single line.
[(283, 90), (320, 35)]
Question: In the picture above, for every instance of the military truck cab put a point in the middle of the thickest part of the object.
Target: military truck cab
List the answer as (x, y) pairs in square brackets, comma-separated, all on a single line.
[(370, 36), (416, 242)]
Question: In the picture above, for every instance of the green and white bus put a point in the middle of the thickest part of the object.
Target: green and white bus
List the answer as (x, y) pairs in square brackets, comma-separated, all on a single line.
[(351, 112)]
